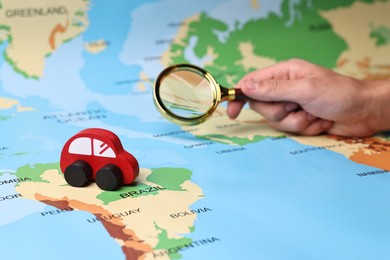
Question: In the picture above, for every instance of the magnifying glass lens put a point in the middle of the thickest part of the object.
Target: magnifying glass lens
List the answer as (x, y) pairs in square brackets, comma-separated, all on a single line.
[(186, 94)]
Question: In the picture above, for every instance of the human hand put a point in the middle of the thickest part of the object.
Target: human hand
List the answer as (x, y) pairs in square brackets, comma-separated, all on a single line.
[(303, 98)]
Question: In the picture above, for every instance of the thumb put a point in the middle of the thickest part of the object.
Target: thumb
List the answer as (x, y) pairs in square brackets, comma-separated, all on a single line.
[(274, 90)]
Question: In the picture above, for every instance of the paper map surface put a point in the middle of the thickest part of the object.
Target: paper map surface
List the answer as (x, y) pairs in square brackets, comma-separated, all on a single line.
[(225, 189)]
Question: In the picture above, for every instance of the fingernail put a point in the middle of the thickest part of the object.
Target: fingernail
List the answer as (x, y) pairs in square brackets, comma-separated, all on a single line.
[(291, 107), (250, 84)]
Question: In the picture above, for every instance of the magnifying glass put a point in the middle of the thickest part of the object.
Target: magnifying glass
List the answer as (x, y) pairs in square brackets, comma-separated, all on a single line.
[(187, 95)]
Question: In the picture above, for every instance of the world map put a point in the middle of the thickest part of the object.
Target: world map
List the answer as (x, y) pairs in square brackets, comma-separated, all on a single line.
[(225, 189)]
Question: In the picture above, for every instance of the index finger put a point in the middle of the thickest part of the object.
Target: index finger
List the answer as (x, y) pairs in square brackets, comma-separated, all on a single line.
[(273, 90), (286, 70)]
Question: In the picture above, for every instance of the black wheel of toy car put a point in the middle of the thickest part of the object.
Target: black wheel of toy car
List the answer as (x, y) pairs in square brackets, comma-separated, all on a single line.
[(78, 174), (109, 177)]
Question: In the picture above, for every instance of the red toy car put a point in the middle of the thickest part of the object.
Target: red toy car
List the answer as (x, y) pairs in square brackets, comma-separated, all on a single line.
[(97, 154)]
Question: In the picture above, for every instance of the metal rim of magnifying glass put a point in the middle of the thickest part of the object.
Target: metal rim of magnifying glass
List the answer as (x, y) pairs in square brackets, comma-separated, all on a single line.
[(216, 91)]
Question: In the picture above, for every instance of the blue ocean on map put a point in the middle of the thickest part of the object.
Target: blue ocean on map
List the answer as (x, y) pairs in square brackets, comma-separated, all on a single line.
[(83, 240), (256, 196), (149, 33), (101, 72), (2, 49), (315, 206)]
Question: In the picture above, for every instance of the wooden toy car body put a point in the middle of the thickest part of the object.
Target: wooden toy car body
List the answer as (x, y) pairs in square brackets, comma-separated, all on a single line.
[(96, 154)]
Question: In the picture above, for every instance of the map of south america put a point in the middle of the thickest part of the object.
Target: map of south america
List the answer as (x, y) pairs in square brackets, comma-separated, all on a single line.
[(140, 217)]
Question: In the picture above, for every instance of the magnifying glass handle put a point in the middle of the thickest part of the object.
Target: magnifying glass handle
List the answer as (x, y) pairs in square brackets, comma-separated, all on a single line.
[(234, 94), (237, 94), (240, 96)]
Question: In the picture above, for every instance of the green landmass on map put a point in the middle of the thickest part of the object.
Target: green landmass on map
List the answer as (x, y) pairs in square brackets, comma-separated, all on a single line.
[(4, 28), (278, 39), (170, 178), (381, 35), (167, 243), (232, 139), (109, 196), (20, 153), (328, 5), (166, 178), (273, 37), (34, 172), (2, 118)]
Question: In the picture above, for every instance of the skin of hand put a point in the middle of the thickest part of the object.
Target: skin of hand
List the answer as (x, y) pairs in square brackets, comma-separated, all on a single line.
[(303, 98)]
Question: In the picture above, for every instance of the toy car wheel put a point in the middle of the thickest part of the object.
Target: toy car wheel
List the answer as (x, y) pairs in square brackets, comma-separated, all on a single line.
[(109, 177), (78, 174)]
